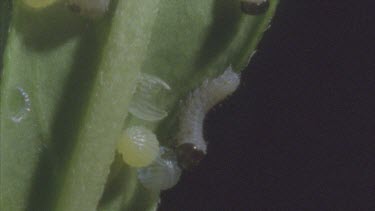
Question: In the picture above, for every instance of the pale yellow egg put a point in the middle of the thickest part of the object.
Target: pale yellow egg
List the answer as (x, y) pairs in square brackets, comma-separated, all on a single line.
[(138, 146)]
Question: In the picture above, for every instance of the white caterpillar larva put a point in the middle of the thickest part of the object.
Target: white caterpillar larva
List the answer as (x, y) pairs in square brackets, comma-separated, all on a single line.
[(138, 146), (191, 146), (89, 8), (162, 174), (254, 7), (146, 103)]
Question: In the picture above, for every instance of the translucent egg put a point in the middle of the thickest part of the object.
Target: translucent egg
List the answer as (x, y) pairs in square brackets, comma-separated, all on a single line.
[(24, 107), (147, 100), (162, 174)]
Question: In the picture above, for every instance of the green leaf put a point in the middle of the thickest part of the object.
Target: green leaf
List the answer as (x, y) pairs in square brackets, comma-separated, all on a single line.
[(67, 82), (5, 10)]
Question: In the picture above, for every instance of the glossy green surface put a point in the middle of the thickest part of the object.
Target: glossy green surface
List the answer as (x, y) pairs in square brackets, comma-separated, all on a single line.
[(78, 76)]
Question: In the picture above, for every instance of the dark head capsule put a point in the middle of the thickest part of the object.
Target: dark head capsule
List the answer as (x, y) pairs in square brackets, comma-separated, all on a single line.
[(254, 7), (189, 156)]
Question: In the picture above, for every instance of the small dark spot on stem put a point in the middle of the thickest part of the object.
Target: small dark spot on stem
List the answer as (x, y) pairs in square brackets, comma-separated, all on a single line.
[(254, 7)]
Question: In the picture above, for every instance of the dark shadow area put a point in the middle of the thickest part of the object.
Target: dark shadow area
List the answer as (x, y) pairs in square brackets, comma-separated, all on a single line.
[(5, 17), (220, 35), (116, 181), (299, 133), (49, 27), (67, 125), (54, 162), (117, 184)]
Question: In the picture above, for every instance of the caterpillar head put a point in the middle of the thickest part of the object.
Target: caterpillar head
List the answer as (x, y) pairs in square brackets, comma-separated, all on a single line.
[(189, 155)]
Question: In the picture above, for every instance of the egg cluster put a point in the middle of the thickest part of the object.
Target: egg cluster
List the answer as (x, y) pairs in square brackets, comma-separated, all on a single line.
[(159, 167)]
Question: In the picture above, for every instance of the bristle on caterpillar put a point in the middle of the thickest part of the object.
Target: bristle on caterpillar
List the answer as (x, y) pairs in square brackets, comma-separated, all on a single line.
[(191, 146)]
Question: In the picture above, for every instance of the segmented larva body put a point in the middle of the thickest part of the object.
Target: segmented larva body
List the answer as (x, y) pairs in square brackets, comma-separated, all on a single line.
[(138, 146), (191, 146), (89, 8), (255, 7)]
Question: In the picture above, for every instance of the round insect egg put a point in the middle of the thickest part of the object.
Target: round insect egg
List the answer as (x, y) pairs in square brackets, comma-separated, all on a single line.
[(138, 146), (146, 103), (162, 174), (255, 7)]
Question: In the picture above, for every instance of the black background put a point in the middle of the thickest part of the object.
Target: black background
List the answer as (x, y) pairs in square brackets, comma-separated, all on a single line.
[(300, 132)]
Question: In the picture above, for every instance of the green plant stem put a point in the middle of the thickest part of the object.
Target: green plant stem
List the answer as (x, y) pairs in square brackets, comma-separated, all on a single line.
[(72, 80)]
